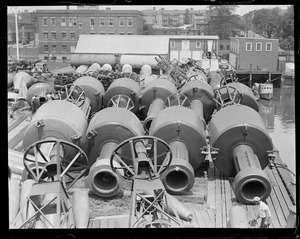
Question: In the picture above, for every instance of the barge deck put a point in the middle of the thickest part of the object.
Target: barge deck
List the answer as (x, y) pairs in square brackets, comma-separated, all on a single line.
[(211, 204)]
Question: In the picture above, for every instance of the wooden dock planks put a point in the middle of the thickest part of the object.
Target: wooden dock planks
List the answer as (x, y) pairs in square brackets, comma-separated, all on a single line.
[(228, 201), (12, 143), (211, 186), (277, 192), (16, 122), (219, 222), (286, 178)]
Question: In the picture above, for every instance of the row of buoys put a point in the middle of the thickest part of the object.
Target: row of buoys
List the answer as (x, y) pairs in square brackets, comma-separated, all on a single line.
[(94, 67)]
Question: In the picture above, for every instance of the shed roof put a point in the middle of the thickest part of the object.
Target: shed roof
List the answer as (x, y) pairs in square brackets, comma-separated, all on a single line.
[(129, 44)]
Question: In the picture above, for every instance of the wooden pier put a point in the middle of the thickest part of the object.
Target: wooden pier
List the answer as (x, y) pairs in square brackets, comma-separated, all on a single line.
[(249, 77), (211, 198)]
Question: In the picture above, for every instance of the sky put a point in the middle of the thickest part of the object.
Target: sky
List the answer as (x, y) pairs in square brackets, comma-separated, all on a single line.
[(241, 10)]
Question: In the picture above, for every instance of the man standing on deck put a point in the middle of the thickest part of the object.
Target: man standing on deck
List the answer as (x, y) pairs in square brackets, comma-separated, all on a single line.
[(35, 103), (264, 213)]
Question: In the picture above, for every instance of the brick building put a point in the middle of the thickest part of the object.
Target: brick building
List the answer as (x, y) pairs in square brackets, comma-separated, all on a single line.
[(59, 30), (260, 53)]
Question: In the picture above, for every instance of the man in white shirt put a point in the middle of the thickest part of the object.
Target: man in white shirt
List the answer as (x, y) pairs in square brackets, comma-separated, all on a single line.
[(264, 213)]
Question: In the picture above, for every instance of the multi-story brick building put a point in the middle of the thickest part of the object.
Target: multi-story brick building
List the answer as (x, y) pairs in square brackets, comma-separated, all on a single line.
[(59, 30), (259, 53)]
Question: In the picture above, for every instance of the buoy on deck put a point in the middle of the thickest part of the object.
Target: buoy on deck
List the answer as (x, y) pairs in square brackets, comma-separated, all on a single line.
[(14, 199), (238, 217), (80, 207)]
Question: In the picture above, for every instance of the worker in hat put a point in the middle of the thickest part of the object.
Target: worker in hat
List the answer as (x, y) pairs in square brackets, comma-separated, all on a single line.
[(35, 103), (264, 213)]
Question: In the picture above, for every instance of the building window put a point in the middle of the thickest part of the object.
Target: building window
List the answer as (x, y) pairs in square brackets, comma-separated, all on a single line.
[(111, 22), (63, 22), (129, 33), (53, 21), (268, 46), (72, 35), (129, 22), (64, 36), (54, 48), (80, 25), (122, 33), (110, 33), (102, 22), (45, 35), (121, 22), (46, 58), (102, 33), (248, 46), (46, 48), (258, 46), (92, 21), (74, 21), (221, 47), (172, 44), (64, 48), (92, 33), (70, 21), (64, 58), (53, 35), (45, 21), (198, 44), (228, 47)]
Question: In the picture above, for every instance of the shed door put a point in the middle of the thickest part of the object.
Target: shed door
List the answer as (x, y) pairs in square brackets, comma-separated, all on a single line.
[(184, 55), (197, 55), (174, 55), (185, 46)]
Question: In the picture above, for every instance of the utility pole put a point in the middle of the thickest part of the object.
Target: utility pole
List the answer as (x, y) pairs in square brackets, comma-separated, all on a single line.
[(17, 33)]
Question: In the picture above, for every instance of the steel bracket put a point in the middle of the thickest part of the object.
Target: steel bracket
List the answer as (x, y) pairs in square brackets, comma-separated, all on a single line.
[(39, 123), (76, 136), (91, 134)]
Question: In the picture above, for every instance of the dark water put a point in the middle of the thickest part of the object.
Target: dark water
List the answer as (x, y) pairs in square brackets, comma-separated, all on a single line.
[(279, 117)]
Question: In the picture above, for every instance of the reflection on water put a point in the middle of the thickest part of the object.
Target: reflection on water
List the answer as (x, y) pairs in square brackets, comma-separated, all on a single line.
[(279, 117)]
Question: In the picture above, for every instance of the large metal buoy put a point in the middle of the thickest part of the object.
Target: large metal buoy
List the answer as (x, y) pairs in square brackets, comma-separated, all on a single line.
[(93, 90), (124, 93), (107, 128), (153, 98), (242, 142), (184, 131)]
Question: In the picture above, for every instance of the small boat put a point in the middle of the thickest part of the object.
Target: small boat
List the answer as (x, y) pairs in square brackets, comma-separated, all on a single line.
[(265, 90)]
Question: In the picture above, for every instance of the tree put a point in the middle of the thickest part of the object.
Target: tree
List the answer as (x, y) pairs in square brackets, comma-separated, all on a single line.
[(223, 21), (267, 21), (148, 29), (187, 18)]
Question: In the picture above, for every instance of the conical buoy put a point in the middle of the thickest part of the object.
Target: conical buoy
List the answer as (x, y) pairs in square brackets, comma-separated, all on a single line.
[(80, 207), (238, 217), (27, 210), (50, 211), (14, 199), (174, 204)]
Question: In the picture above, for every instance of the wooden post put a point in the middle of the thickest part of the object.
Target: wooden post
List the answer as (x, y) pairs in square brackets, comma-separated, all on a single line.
[(250, 83)]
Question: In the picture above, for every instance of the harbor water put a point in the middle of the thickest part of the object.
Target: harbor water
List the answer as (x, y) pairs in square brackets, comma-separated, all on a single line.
[(279, 117)]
